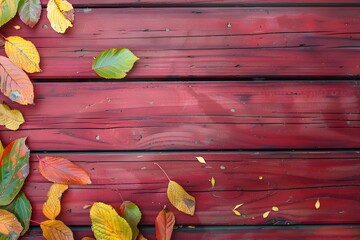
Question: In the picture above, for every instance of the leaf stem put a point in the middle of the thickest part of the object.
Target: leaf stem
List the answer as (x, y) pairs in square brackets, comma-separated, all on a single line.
[(35, 222), (38, 157), (2, 36), (162, 171)]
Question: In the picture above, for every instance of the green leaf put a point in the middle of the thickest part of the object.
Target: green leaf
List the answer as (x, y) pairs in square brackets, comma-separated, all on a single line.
[(14, 168), (21, 208), (8, 10), (132, 215), (114, 63), (30, 11), (4, 237)]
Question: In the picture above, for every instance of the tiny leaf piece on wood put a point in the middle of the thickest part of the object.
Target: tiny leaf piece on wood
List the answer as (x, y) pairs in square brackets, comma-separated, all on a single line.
[(266, 214), (164, 224), (60, 14), (14, 168), (317, 204), (52, 207), (180, 199), (8, 10), (114, 63), (9, 225), (29, 12), (131, 213), (61, 170), (21, 208), (201, 160), (212, 181), (23, 54), (11, 119), (14, 83), (235, 209), (107, 224), (56, 230)]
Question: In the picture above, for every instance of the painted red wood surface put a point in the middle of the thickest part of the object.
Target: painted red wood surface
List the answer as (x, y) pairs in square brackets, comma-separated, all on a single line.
[(204, 42), (191, 115), (220, 233), (292, 181)]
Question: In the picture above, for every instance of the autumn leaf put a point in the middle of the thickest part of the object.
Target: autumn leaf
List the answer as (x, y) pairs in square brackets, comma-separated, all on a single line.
[(317, 204), (29, 12), (21, 208), (164, 224), (60, 14), (114, 63), (131, 213), (52, 207), (1, 150), (275, 208), (12, 119), (201, 160), (56, 230), (14, 170), (266, 214), (61, 170), (212, 181), (23, 54), (88, 238), (180, 199), (9, 225), (8, 10), (107, 224), (14, 83)]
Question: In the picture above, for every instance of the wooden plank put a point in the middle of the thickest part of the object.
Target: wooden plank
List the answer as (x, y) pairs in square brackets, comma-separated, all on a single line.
[(348, 232), (204, 42), (191, 115), (292, 181)]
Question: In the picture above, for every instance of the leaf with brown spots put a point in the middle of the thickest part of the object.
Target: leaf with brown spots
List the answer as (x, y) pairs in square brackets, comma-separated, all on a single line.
[(52, 207), (9, 225), (56, 230), (180, 199), (164, 224)]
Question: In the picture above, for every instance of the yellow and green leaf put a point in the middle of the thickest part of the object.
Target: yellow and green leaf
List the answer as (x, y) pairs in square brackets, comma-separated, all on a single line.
[(29, 12), (131, 213), (8, 10)]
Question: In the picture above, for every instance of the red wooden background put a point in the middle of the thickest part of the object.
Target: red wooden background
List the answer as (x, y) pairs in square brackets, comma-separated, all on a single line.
[(264, 88)]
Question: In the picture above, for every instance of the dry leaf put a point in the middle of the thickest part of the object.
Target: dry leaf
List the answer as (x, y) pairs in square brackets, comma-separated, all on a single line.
[(260, 177), (212, 180), (107, 224), (9, 225), (237, 206), (317, 204), (164, 224), (86, 206), (275, 209), (266, 214), (14, 83), (12, 119), (61, 170), (17, 27), (180, 199), (236, 212), (56, 230), (1, 149), (60, 14), (201, 160), (23, 54), (52, 207)]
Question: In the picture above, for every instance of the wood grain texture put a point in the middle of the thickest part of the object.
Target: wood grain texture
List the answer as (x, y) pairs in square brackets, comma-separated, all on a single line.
[(292, 181), (350, 232), (191, 115), (204, 42)]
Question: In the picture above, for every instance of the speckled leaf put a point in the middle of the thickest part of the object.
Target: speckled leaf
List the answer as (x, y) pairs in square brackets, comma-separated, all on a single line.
[(56, 230), (180, 199), (14, 168), (8, 10), (29, 12), (164, 224), (131, 213), (21, 208)]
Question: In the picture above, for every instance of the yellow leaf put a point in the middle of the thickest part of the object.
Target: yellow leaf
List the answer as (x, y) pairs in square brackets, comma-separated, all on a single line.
[(1, 149), (266, 214), (60, 14), (23, 54), (180, 199), (17, 27), (52, 207), (9, 225), (107, 224), (237, 206), (12, 119), (275, 209), (317, 204), (212, 180), (201, 160), (236, 212), (56, 230)]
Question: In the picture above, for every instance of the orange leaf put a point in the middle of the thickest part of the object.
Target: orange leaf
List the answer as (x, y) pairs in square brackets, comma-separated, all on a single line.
[(164, 224), (52, 207), (9, 225), (14, 83), (61, 170), (56, 230), (180, 199)]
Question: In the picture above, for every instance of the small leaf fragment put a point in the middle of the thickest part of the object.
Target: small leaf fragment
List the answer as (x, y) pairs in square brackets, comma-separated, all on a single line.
[(237, 206), (56, 230), (164, 224), (201, 160), (9, 225), (236, 212), (180, 199), (266, 214), (260, 177), (131, 213), (86, 206), (60, 14), (275, 209), (52, 207), (317, 204), (114, 63), (11, 119), (88, 238), (17, 27), (213, 181), (29, 12)]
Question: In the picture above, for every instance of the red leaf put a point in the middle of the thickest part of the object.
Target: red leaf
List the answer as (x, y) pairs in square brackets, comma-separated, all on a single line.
[(164, 224), (61, 170)]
